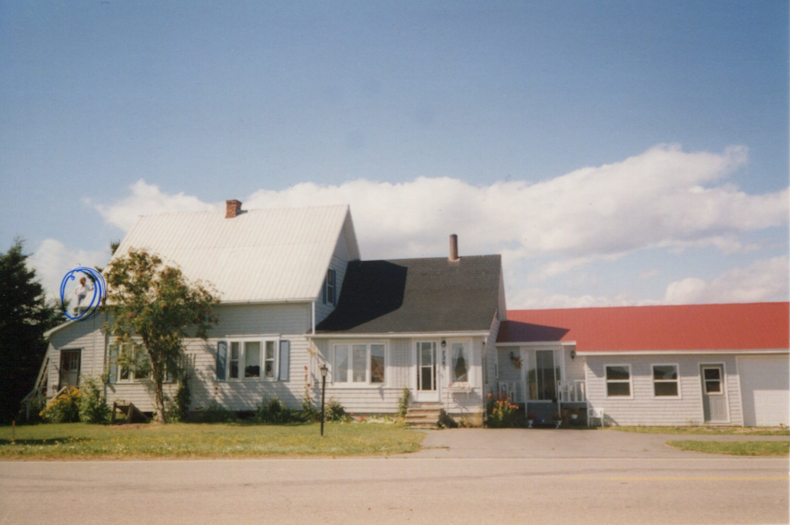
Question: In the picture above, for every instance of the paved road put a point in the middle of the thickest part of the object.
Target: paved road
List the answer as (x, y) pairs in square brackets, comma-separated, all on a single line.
[(468, 488)]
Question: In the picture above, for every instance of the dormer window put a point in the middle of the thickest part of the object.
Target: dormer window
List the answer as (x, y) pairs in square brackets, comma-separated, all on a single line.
[(330, 293)]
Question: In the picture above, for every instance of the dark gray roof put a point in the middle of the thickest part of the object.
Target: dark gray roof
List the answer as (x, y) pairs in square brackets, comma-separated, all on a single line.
[(417, 295)]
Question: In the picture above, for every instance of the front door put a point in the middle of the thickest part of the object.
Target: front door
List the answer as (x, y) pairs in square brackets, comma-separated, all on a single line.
[(69, 368), (714, 397), (427, 385), (545, 376)]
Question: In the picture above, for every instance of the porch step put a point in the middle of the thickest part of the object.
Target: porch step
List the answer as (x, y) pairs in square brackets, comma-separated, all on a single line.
[(423, 416), (544, 412)]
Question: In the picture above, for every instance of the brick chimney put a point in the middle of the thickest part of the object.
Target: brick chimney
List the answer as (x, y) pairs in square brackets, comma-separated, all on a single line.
[(232, 208), (454, 248)]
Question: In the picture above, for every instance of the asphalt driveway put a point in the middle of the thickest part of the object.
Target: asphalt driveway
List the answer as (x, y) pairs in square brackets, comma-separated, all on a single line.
[(562, 443)]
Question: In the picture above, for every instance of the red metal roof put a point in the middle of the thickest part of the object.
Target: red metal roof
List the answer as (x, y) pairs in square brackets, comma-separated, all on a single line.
[(741, 326)]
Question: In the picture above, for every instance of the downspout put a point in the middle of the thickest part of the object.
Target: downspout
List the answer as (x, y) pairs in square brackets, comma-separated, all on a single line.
[(313, 316)]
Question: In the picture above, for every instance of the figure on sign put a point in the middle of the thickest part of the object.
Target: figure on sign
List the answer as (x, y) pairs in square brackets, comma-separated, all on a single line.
[(89, 293), (81, 291)]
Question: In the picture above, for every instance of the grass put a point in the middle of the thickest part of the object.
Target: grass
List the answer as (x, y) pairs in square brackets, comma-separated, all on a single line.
[(194, 440), (735, 448), (709, 431)]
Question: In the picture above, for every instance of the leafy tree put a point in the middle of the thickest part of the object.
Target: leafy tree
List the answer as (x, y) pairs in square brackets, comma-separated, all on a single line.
[(24, 317), (153, 309)]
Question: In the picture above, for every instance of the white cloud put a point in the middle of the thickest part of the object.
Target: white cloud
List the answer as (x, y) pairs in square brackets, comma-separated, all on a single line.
[(539, 298), (763, 280), (52, 261), (147, 199), (663, 198)]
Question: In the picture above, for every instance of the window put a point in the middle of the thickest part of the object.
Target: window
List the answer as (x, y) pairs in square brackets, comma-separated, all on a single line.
[(252, 360), (618, 381), (268, 367), (125, 369), (460, 364), (330, 297), (712, 378), (665, 381), (359, 363), (249, 360)]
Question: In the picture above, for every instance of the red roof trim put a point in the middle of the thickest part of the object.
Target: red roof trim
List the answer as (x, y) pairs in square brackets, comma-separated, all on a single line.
[(741, 326)]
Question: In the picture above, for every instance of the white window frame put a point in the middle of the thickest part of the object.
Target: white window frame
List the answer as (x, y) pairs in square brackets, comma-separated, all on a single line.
[(722, 384), (350, 383), (242, 350), (118, 368), (630, 380), (466, 345), (676, 380)]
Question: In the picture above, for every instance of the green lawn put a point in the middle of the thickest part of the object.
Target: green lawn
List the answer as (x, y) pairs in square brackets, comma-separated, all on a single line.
[(192, 440), (709, 431), (735, 448)]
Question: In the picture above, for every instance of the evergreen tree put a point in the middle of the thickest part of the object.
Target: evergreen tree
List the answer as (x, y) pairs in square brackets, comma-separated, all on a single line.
[(24, 317)]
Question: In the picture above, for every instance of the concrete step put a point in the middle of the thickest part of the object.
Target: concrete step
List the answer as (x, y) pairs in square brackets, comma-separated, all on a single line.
[(423, 416)]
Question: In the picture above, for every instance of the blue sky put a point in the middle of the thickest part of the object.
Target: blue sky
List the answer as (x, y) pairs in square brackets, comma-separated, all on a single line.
[(614, 152)]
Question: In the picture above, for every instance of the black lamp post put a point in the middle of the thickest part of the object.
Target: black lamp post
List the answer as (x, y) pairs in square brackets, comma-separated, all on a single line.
[(324, 371)]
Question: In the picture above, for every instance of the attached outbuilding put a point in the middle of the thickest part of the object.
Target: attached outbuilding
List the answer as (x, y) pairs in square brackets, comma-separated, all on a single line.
[(719, 364)]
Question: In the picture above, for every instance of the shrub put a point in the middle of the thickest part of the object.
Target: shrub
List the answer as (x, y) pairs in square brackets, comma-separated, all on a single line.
[(403, 403), (63, 409), (214, 413), (93, 402), (274, 411), (336, 412), (446, 420), (501, 411)]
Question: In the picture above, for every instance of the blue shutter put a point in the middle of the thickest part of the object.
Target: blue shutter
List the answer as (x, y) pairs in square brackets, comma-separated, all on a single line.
[(113, 364), (285, 360), (222, 360)]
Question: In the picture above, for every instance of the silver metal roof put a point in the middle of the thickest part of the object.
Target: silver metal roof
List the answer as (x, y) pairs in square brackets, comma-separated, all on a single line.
[(269, 255)]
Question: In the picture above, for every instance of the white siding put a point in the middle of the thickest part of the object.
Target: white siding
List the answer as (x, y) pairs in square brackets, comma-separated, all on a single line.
[(574, 367), (645, 409), (339, 264), (400, 374), (262, 319), (286, 321), (85, 336)]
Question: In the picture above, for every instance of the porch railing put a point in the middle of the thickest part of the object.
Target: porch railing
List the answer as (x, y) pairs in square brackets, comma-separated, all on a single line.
[(571, 391)]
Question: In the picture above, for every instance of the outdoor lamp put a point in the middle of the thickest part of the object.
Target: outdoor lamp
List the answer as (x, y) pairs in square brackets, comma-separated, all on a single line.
[(324, 371)]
